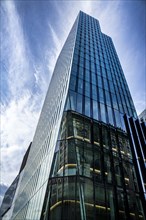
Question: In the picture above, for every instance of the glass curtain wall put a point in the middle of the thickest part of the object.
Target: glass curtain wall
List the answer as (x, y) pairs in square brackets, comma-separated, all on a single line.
[(92, 174), (98, 87)]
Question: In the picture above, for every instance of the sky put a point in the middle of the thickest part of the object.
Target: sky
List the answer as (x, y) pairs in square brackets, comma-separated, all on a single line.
[(32, 35)]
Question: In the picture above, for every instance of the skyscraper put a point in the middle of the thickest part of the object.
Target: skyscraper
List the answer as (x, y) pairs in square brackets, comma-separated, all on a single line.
[(80, 164)]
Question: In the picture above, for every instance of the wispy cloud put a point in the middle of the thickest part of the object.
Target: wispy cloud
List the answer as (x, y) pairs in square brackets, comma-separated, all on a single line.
[(14, 50), (20, 115), (53, 51), (19, 120)]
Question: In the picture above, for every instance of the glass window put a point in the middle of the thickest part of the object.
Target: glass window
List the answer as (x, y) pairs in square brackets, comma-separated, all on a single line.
[(99, 81), (108, 99), (73, 83), (79, 103), (78, 127), (103, 112), (94, 92), (81, 62), (69, 204), (99, 199), (87, 75), (87, 160), (95, 109), (87, 89), (87, 106), (110, 115), (75, 59), (105, 84), (87, 64), (107, 167), (80, 86), (118, 119), (96, 136), (81, 72), (88, 191), (73, 100), (67, 105), (86, 131), (74, 68), (121, 205), (103, 72), (93, 78), (111, 87), (115, 105), (56, 196), (110, 203), (93, 67), (105, 137), (101, 95)]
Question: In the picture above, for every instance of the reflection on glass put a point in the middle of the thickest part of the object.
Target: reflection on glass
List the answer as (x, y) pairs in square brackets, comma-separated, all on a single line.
[(79, 103), (95, 109), (87, 106)]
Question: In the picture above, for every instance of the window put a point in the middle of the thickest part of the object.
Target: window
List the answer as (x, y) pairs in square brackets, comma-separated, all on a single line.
[(79, 103), (103, 113), (94, 92), (87, 106), (80, 86), (101, 95), (110, 115), (95, 109), (73, 83), (73, 100), (87, 89)]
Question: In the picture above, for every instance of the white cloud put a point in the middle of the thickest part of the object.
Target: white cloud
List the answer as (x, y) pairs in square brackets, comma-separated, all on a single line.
[(20, 116), (53, 52), (13, 50), (19, 120)]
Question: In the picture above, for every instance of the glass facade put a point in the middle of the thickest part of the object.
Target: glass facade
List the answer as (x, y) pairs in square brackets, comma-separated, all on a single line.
[(92, 175), (32, 187), (98, 88), (80, 164)]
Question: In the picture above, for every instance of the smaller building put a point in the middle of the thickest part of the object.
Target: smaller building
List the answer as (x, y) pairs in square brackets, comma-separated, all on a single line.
[(137, 135), (8, 198), (142, 116), (7, 205)]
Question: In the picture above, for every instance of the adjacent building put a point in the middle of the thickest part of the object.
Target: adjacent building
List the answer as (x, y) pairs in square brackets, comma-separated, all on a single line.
[(142, 116), (7, 205), (81, 165)]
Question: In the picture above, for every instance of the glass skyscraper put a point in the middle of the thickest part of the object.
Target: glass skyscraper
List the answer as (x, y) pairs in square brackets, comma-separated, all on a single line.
[(80, 165)]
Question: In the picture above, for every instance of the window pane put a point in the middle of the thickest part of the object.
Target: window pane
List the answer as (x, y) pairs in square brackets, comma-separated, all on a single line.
[(87, 106), (94, 92), (103, 113), (80, 86), (87, 89), (110, 115), (73, 83), (101, 95), (79, 103), (118, 119), (95, 110), (73, 100)]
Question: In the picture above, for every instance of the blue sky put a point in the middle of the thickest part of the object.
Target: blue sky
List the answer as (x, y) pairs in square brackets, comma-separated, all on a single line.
[(32, 35)]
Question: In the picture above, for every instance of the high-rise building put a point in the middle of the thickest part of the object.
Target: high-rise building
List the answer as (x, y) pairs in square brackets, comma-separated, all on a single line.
[(80, 165)]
